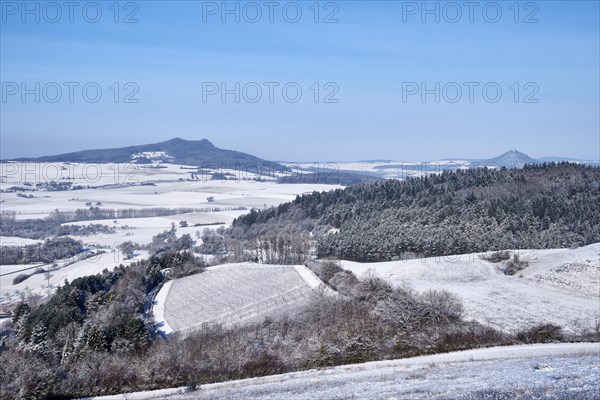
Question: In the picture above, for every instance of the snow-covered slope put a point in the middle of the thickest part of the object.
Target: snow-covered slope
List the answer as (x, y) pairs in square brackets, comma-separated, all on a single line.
[(548, 371), (560, 286), (233, 294), (69, 269)]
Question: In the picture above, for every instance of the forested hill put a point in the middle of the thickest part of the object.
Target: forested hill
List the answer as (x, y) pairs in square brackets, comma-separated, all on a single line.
[(178, 151), (539, 206)]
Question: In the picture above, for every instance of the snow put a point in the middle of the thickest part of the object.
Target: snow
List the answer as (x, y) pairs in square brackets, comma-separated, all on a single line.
[(146, 395), (166, 191), (133, 186), (69, 269), (141, 230), (158, 308), (124, 186), (232, 294), (384, 168), (153, 155), (568, 368), (17, 241), (308, 276), (559, 286)]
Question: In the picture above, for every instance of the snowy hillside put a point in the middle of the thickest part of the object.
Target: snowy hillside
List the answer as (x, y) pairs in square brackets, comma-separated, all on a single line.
[(549, 371), (233, 294), (558, 286), (177, 150), (42, 283)]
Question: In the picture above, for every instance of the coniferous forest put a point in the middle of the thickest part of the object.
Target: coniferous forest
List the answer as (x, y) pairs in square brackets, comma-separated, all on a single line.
[(540, 206)]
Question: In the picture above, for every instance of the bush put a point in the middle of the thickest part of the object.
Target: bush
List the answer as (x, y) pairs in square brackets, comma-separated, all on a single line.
[(330, 272), (442, 307), (497, 256), (470, 336), (20, 278), (343, 282), (329, 269), (373, 289), (515, 265), (544, 333), (262, 365)]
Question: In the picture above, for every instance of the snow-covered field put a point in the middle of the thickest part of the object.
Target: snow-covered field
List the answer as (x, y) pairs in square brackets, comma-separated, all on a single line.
[(543, 371), (127, 186), (100, 174), (141, 230), (233, 294), (168, 187), (560, 286), (387, 169), (70, 269), (17, 241)]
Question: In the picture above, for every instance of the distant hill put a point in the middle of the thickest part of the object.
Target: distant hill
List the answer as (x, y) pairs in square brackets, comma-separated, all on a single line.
[(516, 159), (510, 159), (389, 169), (176, 151)]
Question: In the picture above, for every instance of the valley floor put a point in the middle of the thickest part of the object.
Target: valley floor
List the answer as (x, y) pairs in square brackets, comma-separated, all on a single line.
[(549, 371)]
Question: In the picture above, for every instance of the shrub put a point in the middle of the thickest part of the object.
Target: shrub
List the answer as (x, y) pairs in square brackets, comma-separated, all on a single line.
[(20, 278), (329, 269), (442, 307), (359, 350), (343, 282), (470, 336), (544, 333), (497, 256), (515, 265), (373, 289), (330, 272), (264, 364)]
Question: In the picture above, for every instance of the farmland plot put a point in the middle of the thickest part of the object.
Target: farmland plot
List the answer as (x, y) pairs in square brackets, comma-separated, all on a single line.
[(232, 294)]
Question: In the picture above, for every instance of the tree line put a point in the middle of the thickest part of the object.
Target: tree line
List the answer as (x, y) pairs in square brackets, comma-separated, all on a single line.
[(46, 252)]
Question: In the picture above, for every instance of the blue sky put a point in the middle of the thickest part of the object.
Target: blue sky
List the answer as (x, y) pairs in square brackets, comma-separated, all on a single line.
[(370, 58)]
